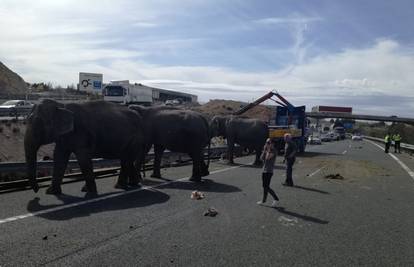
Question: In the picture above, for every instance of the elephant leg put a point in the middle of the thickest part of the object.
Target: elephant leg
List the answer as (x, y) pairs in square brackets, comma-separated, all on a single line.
[(258, 161), (140, 164), (85, 164), (204, 168), (196, 158), (230, 151), (122, 182), (134, 174), (60, 162), (158, 151)]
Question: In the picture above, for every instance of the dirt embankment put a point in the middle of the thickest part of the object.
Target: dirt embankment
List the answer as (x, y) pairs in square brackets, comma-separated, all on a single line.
[(226, 107), (12, 140)]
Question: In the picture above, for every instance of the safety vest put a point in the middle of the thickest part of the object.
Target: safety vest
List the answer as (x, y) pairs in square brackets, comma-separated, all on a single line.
[(387, 138), (397, 137)]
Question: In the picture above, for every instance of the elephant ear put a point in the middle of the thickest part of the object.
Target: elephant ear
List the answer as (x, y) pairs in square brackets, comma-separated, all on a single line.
[(63, 122)]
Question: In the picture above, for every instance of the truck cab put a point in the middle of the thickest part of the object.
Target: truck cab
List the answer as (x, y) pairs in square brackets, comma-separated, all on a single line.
[(123, 92)]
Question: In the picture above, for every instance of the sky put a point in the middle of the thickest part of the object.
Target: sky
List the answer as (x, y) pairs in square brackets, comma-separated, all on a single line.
[(357, 53)]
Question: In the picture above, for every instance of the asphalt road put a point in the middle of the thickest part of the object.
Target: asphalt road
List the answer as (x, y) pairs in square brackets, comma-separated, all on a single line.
[(366, 218)]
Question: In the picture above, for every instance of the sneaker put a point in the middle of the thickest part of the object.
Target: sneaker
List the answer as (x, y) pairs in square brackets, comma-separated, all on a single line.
[(260, 202), (274, 204)]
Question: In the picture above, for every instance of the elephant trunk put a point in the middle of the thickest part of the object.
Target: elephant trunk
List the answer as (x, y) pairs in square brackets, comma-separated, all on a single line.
[(30, 149)]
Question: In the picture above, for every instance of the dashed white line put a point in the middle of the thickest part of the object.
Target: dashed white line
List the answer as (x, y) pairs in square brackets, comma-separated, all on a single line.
[(67, 206), (343, 153), (405, 167)]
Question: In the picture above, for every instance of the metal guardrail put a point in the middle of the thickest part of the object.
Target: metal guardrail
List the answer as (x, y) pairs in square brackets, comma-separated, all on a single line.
[(101, 163), (322, 115), (14, 112), (179, 158), (404, 146)]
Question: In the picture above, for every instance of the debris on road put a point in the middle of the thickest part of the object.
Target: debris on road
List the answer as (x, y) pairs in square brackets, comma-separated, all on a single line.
[(197, 195), (212, 212), (334, 176), (45, 237)]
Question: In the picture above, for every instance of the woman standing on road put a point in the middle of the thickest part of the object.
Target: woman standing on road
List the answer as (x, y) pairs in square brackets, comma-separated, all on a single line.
[(269, 157)]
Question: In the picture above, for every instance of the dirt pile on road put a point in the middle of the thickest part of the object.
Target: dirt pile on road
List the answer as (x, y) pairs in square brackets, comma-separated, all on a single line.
[(224, 107), (11, 82)]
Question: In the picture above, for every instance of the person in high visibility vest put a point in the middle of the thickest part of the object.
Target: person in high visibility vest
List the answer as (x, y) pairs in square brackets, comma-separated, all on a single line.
[(387, 141), (397, 142)]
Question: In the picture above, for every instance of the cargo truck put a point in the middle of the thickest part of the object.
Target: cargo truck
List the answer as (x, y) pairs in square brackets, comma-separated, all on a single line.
[(123, 92)]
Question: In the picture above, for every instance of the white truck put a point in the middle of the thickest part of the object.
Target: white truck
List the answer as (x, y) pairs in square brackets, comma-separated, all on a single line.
[(123, 92)]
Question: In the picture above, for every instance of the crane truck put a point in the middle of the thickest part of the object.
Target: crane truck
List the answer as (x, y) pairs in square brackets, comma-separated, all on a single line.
[(289, 119)]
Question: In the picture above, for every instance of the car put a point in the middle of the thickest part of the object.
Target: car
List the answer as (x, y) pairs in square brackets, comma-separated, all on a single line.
[(314, 140), (12, 107), (173, 102), (356, 137), (326, 138), (334, 136)]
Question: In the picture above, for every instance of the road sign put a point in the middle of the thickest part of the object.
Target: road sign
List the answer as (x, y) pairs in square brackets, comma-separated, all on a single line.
[(90, 82)]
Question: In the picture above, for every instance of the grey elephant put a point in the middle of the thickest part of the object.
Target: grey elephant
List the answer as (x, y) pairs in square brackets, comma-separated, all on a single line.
[(251, 134), (177, 130), (96, 129)]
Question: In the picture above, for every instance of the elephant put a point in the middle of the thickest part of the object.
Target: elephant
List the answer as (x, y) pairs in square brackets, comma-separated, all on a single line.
[(251, 134), (96, 129), (177, 130)]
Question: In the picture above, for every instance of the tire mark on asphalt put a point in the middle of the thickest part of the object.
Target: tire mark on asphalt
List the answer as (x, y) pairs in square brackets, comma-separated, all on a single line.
[(76, 204), (405, 167)]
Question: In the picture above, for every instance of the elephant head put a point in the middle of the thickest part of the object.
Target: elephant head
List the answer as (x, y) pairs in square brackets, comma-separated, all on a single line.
[(218, 126), (45, 123)]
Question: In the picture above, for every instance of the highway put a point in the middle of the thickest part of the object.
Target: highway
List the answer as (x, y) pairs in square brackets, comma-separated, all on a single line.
[(366, 218)]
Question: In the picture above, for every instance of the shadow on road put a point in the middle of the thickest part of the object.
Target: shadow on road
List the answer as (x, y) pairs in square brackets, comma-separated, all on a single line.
[(311, 189), (137, 199), (206, 185), (300, 216), (308, 154)]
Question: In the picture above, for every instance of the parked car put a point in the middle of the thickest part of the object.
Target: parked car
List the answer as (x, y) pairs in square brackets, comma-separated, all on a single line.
[(14, 107), (173, 102), (334, 136), (314, 140), (326, 138), (356, 138)]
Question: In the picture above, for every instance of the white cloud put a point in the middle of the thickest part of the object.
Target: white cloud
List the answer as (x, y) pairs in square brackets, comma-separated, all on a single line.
[(46, 42), (294, 19)]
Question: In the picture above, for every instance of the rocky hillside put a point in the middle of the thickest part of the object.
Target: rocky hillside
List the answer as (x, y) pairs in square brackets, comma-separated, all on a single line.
[(11, 82)]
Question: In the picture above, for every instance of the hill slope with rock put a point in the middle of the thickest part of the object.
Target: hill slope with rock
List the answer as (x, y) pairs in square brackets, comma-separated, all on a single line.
[(11, 82)]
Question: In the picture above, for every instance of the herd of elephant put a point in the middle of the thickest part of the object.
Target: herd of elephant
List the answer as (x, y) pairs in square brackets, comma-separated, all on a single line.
[(100, 129)]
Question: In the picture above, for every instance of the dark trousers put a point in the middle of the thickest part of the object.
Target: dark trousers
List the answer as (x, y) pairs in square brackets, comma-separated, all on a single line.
[(387, 146), (397, 146), (266, 178), (289, 169)]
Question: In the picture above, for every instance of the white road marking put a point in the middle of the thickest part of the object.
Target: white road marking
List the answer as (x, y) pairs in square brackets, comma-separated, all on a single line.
[(315, 172), (123, 193), (343, 153), (405, 167), (287, 221)]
